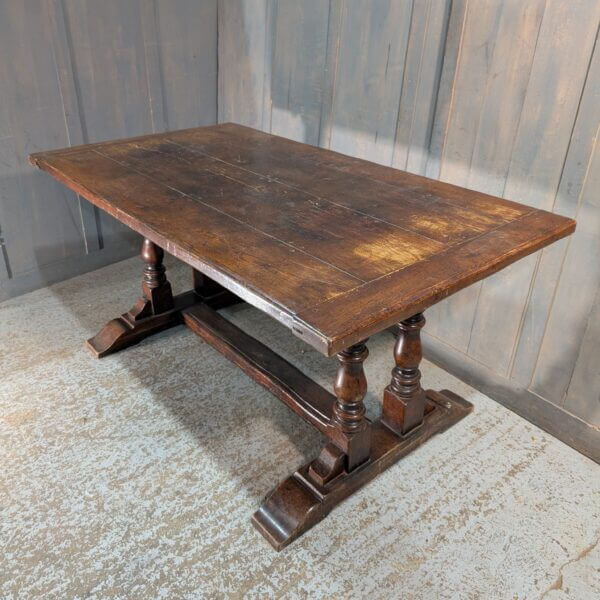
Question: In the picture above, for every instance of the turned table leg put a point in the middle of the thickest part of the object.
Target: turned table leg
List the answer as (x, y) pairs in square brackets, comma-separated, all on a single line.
[(351, 431), (154, 311), (404, 398), (157, 296), (358, 449), (157, 309)]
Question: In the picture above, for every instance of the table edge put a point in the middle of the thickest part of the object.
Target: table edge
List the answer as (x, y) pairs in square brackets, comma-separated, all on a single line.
[(344, 337), (327, 344), (228, 281)]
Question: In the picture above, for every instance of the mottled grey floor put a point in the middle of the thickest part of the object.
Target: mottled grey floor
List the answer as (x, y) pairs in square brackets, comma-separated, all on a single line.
[(135, 476)]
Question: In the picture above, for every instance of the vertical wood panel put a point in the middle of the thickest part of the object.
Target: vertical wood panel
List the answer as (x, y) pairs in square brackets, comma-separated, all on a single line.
[(422, 71), (334, 25), (503, 95), (575, 295), (109, 59), (469, 87), (154, 66), (76, 134), (568, 198), (110, 67), (501, 298), (373, 44), (35, 232), (457, 21), (489, 95), (543, 287), (12, 214), (583, 395), (74, 71), (271, 11), (9, 183), (242, 36), (451, 320), (299, 63), (489, 91), (537, 161), (187, 38), (561, 63)]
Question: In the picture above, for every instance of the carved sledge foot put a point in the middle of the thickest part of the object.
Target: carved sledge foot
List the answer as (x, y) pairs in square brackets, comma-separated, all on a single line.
[(126, 330), (157, 309), (299, 502)]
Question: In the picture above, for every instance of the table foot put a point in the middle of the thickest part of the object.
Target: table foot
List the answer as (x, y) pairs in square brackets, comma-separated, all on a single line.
[(358, 450), (157, 309), (298, 502), (125, 331)]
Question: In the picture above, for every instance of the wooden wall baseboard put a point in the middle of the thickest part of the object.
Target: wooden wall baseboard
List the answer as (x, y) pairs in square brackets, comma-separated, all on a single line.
[(551, 418), (70, 267)]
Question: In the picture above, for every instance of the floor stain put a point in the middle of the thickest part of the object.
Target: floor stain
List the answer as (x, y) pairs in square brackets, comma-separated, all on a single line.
[(20, 417)]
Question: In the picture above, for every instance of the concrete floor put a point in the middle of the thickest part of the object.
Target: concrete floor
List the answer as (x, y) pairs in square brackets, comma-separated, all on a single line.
[(135, 476)]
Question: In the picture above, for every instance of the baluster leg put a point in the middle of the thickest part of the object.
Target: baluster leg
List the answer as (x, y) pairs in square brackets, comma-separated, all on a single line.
[(404, 398), (351, 431), (154, 311)]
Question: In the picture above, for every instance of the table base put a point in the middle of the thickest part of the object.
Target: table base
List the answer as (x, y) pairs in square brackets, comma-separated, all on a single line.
[(358, 449), (297, 503)]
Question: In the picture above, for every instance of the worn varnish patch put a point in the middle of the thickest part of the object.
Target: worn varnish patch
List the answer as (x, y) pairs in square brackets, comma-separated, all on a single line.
[(394, 250)]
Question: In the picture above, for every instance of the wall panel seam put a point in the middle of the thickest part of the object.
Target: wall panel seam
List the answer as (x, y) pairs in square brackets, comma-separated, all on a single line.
[(453, 88), (217, 56), (506, 176), (564, 162), (513, 355), (269, 41), (566, 253), (89, 215), (328, 103), (5, 258), (579, 350), (399, 109)]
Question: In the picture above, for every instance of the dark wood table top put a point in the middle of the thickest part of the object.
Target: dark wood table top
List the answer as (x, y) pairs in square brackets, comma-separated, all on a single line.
[(334, 247)]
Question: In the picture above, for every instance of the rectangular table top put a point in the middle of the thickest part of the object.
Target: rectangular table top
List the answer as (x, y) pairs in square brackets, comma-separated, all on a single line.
[(336, 248)]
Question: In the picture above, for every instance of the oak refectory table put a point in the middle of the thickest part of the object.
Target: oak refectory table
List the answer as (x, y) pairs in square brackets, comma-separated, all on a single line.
[(333, 247)]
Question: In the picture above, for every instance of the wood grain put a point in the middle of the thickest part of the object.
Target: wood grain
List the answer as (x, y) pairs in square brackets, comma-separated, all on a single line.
[(330, 266), (411, 290)]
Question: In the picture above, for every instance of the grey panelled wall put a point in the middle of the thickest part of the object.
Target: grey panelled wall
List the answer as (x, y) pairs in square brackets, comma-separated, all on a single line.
[(77, 71), (500, 96)]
